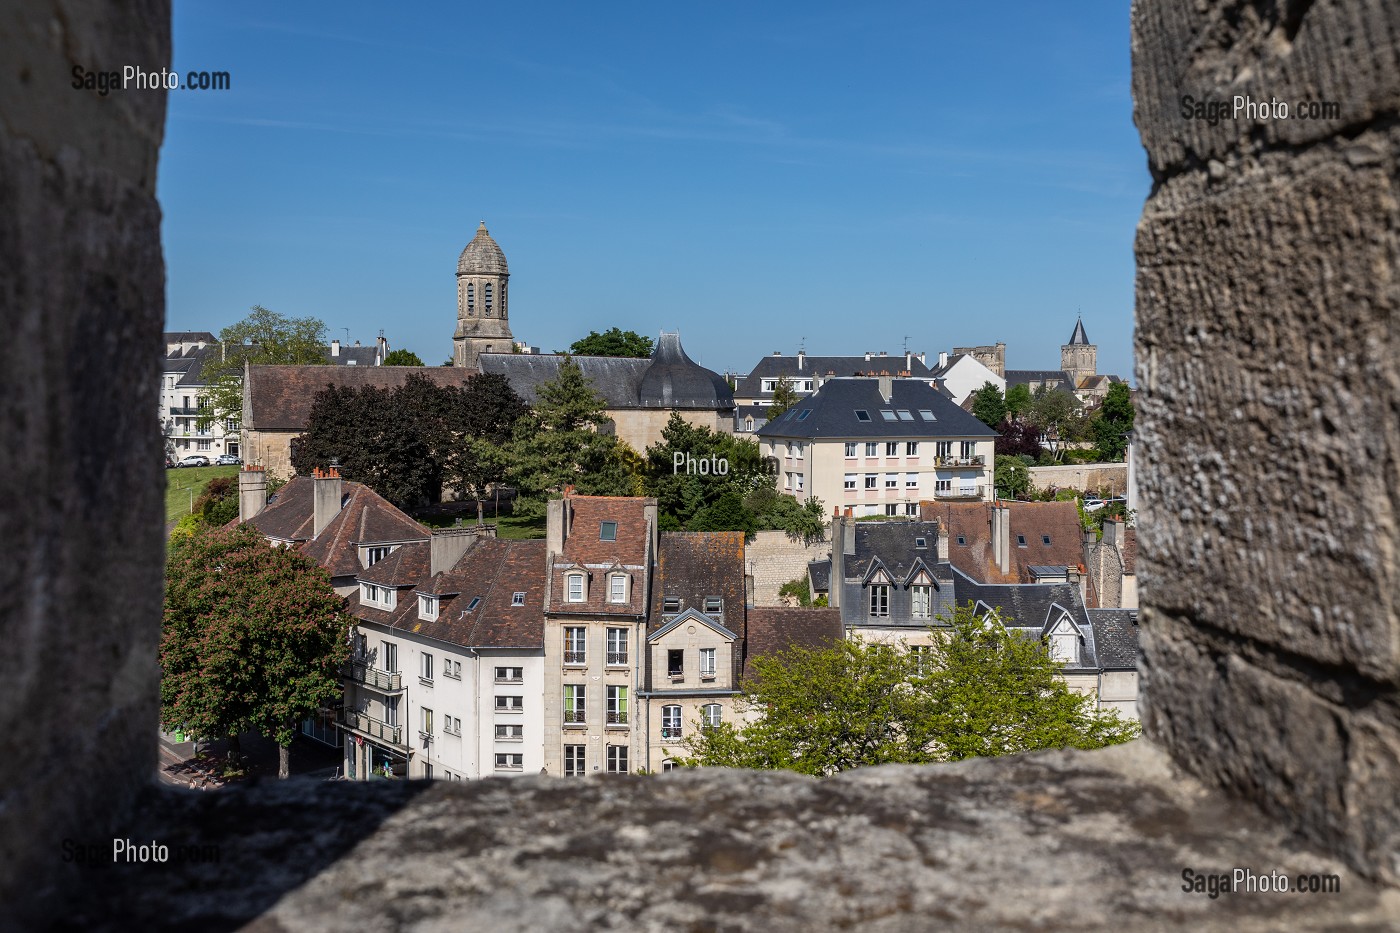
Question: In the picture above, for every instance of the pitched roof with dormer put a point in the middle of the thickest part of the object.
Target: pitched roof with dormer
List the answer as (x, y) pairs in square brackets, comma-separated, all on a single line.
[(692, 566), (1033, 610), (808, 367), (854, 408), (586, 551), (969, 529)]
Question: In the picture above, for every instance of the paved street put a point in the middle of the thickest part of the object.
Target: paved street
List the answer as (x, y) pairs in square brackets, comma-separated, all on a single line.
[(178, 766)]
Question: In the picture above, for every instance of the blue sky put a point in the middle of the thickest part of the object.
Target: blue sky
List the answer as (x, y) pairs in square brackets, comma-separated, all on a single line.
[(750, 174)]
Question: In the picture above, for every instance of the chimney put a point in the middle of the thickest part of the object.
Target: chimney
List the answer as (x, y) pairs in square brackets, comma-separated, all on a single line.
[(1001, 536), (942, 359), (382, 352), (919, 357), (325, 498), (446, 547), (1112, 532), (556, 526), (1090, 540), (777, 352), (909, 359), (1076, 575), (942, 534), (335, 349), (867, 356), (252, 491), (801, 359), (886, 386)]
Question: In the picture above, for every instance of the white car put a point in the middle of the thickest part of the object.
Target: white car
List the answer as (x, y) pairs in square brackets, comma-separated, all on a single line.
[(193, 460)]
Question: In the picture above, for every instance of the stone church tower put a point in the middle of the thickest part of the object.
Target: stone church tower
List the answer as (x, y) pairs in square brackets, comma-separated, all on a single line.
[(1079, 358), (483, 300)]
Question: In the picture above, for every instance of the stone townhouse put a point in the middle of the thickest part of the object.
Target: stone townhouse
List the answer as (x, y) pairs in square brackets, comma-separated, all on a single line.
[(598, 560), (880, 445)]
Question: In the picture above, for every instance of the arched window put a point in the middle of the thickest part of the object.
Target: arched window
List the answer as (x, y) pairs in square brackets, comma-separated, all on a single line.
[(487, 289), (471, 298)]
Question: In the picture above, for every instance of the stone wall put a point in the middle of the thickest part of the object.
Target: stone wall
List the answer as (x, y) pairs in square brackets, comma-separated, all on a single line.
[(1087, 477), (82, 299), (1268, 359), (773, 559)]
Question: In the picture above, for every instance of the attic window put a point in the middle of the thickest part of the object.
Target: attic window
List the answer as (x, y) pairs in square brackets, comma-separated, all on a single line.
[(1020, 540), (476, 601), (927, 415), (517, 598), (713, 605), (921, 543), (671, 604), (607, 531), (862, 414), (888, 415), (1045, 540), (962, 539), (904, 415), (804, 414)]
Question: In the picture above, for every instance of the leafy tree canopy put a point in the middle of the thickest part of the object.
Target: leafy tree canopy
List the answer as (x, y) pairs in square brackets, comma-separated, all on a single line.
[(252, 637), (612, 342), (1115, 420), (988, 405), (263, 337), (1010, 477), (1018, 438), (979, 690), (402, 358), (1018, 399), (1050, 409)]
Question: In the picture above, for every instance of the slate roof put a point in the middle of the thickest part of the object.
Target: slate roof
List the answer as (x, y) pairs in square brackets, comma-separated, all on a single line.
[(772, 630), (1130, 551), (1031, 608), (1116, 635), (692, 565), (667, 379), (1079, 337), (278, 398), (819, 572), (188, 336), (584, 549), (482, 256), (831, 413), (889, 548), (972, 523), (774, 367), (1024, 376)]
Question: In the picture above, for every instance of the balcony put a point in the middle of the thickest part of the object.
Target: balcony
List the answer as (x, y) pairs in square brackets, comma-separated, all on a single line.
[(383, 681), (670, 732), (374, 728), (574, 717), (961, 462), (965, 493), (180, 410), (617, 718), (575, 657), (617, 658)]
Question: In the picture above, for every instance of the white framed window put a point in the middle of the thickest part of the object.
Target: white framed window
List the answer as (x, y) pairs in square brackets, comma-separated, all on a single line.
[(671, 722), (943, 486), (768, 385), (850, 448), (510, 732), (1064, 647), (510, 675), (870, 480), (911, 480), (911, 508), (374, 555), (617, 646), (575, 704), (576, 588), (202, 445), (799, 479), (575, 760), (669, 764), (617, 705), (510, 704), (427, 607), (849, 481), (617, 588), (451, 725), (891, 509), (575, 644), (710, 715), (707, 662), (943, 448), (510, 761), (891, 448), (451, 668), (425, 675), (390, 656), (969, 449), (517, 598), (879, 600), (427, 722), (617, 759), (911, 448), (921, 596), (891, 480), (748, 424), (872, 449), (378, 597)]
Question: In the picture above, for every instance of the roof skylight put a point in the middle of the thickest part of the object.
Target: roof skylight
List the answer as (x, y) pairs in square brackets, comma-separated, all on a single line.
[(927, 415), (862, 414), (904, 415), (888, 415)]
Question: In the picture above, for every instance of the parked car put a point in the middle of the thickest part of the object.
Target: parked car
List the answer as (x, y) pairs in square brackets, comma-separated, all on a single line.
[(194, 460), (228, 460), (169, 462)]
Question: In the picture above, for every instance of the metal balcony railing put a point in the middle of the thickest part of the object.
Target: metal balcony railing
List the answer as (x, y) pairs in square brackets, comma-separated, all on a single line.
[(975, 461), (616, 718), (574, 717), (575, 657), (383, 681), (374, 728), (960, 492), (617, 657)]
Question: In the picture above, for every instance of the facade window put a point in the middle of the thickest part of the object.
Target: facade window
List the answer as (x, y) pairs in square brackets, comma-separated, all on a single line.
[(911, 508), (451, 668), (575, 704), (671, 604), (892, 481), (923, 658), (872, 449), (391, 711), (390, 655), (202, 445), (427, 607), (892, 448), (911, 480), (849, 481), (617, 759), (969, 449), (748, 424), (427, 771), (617, 646), (517, 598), (891, 509), (510, 761), (714, 605), (707, 662), (374, 555), (426, 674), (510, 704), (510, 675), (944, 486), (617, 705), (850, 448), (870, 480), (675, 662), (617, 588), (575, 587), (943, 448), (451, 725), (921, 597), (669, 765), (710, 715), (379, 597), (471, 298), (911, 448), (510, 732), (799, 479), (574, 644), (486, 294), (427, 722), (607, 531), (879, 600), (670, 722), (1064, 647), (575, 760)]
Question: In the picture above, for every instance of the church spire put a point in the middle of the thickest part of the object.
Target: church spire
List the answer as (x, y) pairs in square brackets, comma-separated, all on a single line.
[(1079, 338)]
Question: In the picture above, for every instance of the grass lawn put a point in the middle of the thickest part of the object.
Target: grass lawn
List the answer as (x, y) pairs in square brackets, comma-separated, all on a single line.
[(508, 526), (183, 486)]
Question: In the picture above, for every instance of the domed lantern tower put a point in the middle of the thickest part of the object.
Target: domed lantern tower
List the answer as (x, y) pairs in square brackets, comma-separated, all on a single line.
[(483, 301)]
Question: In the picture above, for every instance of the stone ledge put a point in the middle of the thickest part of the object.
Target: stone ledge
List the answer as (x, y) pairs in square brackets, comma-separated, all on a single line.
[(1058, 840)]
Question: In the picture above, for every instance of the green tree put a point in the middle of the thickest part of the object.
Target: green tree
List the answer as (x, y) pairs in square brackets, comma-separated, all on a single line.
[(988, 405), (566, 440), (1010, 476), (727, 513), (979, 690), (1018, 399), (612, 342), (402, 358), (784, 397), (1115, 420), (217, 505), (1049, 411), (253, 637), (263, 337)]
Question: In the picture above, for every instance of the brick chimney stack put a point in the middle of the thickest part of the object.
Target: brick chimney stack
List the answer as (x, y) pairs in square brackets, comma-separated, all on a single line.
[(1001, 536), (252, 491), (325, 498)]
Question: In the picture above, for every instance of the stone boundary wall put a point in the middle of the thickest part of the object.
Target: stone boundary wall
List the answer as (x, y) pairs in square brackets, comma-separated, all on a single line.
[(773, 559), (1087, 477)]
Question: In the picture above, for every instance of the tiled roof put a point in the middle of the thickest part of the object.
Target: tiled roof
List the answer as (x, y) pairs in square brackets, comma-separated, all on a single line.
[(1130, 551), (405, 566), (772, 630), (1116, 634), (819, 572), (971, 524), (278, 398), (774, 367), (692, 565), (584, 549), (831, 412)]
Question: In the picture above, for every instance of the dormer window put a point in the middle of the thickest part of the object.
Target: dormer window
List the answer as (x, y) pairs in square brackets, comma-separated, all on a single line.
[(671, 605), (879, 600), (576, 587), (374, 555), (714, 605), (378, 597), (1064, 647), (617, 588), (607, 531), (427, 607)]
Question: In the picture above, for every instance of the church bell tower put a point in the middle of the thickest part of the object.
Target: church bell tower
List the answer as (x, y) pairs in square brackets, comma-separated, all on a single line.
[(483, 301)]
